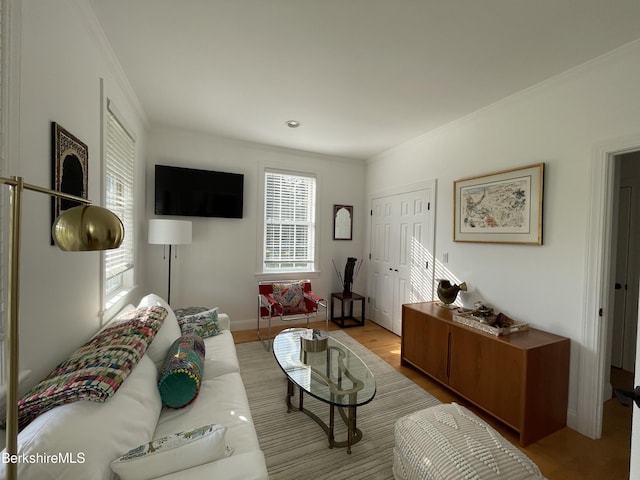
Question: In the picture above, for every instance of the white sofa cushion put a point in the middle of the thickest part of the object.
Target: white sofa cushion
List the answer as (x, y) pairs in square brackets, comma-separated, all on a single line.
[(222, 400), (169, 331), (173, 453), (246, 466), (220, 356), (92, 434)]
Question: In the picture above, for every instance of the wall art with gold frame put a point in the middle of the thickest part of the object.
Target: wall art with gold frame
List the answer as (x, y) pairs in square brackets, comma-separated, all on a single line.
[(501, 207)]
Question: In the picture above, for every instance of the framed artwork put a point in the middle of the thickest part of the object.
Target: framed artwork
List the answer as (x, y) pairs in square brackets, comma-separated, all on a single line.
[(342, 222), (70, 165), (502, 207)]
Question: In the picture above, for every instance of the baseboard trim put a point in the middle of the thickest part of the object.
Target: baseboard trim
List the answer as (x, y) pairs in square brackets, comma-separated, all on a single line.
[(572, 419), (249, 324)]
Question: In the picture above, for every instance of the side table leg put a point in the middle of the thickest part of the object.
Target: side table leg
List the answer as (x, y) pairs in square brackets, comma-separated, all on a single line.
[(332, 317)]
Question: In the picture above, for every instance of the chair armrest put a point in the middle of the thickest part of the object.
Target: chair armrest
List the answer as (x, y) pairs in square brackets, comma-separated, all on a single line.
[(267, 300), (314, 298)]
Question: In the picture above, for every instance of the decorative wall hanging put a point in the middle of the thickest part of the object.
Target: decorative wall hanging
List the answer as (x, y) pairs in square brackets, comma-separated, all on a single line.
[(70, 168), (502, 207), (342, 222)]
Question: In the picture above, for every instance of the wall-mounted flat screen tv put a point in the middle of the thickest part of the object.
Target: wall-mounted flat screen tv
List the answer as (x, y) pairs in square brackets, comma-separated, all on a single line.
[(191, 192)]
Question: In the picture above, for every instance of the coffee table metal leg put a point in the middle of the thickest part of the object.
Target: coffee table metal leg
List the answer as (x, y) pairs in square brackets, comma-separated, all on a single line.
[(289, 394), (351, 428), (330, 433)]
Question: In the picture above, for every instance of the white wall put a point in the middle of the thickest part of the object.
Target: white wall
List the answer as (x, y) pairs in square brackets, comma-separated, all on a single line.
[(558, 122), (220, 268), (62, 63)]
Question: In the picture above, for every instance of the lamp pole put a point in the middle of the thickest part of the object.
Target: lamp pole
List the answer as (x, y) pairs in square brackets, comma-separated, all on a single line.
[(169, 280), (106, 237)]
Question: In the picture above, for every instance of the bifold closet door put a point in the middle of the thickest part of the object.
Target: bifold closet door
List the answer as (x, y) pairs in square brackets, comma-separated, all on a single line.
[(401, 255)]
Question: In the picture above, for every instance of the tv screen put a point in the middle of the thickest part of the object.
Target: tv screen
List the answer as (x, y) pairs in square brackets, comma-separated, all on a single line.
[(198, 193)]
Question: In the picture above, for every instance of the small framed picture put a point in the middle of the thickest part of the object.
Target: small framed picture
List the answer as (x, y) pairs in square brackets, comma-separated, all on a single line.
[(501, 207)]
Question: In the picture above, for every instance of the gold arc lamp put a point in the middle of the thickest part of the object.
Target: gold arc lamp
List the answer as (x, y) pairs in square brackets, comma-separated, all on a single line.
[(85, 227)]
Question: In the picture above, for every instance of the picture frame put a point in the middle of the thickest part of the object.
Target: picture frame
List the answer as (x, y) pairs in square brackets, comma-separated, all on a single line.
[(501, 207), (342, 222), (69, 168)]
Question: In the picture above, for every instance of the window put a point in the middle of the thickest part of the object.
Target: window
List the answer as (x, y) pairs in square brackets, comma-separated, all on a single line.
[(289, 222), (119, 181)]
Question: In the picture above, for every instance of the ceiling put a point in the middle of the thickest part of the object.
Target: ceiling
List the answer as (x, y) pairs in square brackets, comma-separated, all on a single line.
[(361, 76)]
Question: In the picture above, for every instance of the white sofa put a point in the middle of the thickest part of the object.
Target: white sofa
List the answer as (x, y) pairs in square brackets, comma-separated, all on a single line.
[(86, 437)]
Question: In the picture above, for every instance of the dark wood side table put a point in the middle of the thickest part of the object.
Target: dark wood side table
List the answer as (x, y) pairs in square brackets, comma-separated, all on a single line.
[(346, 321)]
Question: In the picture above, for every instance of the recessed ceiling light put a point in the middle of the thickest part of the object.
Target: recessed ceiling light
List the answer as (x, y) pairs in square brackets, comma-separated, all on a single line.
[(292, 123)]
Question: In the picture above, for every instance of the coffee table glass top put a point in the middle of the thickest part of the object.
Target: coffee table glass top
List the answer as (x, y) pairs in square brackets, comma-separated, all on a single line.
[(334, 374)]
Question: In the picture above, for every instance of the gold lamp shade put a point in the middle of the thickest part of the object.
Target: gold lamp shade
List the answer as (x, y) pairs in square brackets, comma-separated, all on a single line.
[(86, 228)]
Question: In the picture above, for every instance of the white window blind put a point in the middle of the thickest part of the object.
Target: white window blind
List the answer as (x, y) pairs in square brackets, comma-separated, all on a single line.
[(289, 222), (119, 182)]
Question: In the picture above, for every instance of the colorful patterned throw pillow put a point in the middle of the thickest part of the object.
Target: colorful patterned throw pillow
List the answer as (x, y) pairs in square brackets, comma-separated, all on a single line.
[(183, 312), (291, 296), (179, 382), (204, 323), (97, 369)]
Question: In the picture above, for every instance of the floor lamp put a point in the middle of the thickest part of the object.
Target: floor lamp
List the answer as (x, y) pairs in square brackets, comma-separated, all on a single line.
[(169, 232), (83, 228)]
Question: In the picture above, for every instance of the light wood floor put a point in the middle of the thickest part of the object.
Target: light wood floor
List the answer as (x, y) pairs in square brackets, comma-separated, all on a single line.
[(563, 455)]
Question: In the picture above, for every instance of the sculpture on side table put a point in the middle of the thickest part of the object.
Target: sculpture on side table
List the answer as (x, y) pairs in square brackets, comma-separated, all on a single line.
[(348, 275), (351, 270)]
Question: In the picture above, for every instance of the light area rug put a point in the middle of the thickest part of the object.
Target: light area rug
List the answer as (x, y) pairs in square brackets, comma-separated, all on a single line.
[(296, 447)]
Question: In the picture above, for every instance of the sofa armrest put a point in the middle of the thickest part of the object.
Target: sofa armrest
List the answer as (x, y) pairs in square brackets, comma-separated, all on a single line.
[(224, 321)]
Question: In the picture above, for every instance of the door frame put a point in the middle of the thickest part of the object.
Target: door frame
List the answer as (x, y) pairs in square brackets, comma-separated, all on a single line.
[(598, 307), (429, 184)]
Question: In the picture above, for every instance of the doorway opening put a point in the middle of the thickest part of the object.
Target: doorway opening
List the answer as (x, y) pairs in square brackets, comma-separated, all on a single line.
[(623, 291), (594, 387), (625, 259)]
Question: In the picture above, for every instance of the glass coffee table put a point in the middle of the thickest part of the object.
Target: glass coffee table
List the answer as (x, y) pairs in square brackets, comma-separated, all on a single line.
[(329, 371)]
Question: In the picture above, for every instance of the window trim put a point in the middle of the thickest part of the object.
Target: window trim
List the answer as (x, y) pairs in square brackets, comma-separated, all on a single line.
[(312, 272)]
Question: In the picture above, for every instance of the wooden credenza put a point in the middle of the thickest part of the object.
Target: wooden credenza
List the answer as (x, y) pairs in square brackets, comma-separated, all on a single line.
[(522, 379)]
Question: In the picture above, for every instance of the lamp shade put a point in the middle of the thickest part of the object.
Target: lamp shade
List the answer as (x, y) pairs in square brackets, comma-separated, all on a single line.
[(87, 228), (169, 232)]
